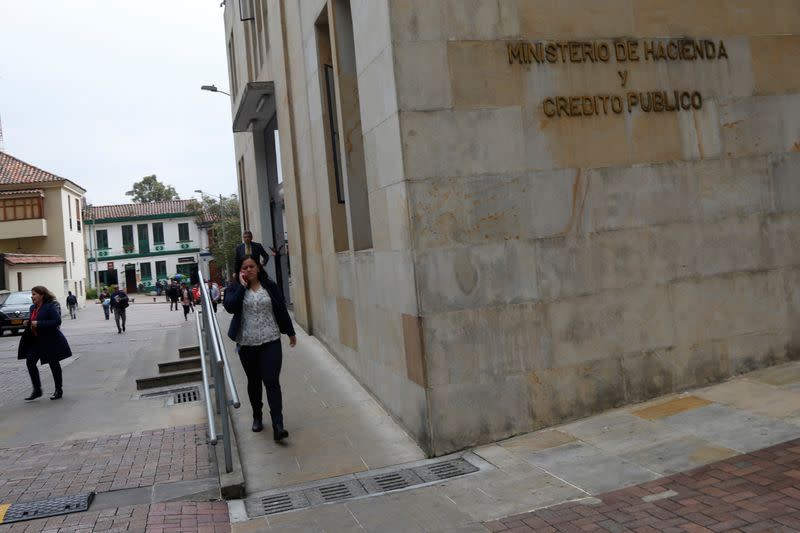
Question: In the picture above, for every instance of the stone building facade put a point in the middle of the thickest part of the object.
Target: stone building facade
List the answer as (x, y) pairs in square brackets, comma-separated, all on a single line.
[(506, 214)]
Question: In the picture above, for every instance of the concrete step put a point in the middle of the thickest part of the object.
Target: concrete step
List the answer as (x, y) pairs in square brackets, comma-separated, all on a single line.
[(188, 351), (170, 378), (181, 364)]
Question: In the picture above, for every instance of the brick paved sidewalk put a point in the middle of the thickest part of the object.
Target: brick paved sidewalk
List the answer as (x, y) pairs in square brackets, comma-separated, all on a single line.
[(179, 517), (140, 459), (754, 492)]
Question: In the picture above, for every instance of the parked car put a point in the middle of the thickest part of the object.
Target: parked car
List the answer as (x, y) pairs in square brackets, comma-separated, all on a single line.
[(15, 308)]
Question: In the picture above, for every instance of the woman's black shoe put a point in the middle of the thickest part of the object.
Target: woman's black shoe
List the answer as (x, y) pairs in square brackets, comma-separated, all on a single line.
[(57, 394), (278, 433), (35, 393), (257, 425)]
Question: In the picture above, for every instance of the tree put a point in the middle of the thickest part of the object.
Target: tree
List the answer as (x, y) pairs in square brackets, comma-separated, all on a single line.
[(225, 231), (149, 189)]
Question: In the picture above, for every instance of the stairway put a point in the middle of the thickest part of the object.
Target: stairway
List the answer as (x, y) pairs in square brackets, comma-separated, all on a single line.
[(185, 370)]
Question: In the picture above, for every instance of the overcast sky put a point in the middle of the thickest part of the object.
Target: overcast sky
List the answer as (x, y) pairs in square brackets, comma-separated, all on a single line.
[(104, 92)]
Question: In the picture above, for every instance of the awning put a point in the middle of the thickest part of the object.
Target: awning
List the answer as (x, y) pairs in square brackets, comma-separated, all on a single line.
[(256, 106)]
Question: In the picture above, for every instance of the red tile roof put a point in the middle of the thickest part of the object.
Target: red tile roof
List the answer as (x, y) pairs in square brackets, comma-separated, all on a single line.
[(22, 192), (32, 259), (13, 172), (167, 208), (170, 207)]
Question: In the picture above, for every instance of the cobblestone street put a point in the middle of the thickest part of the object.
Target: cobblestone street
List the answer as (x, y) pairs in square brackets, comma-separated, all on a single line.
[(751, 493)]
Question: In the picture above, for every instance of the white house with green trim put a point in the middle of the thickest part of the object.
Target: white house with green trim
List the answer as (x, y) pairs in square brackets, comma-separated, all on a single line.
[(134, 245)]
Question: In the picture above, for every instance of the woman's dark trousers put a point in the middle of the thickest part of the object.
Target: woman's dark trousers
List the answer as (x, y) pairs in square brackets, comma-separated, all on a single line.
[(262, 364), (55, 368)]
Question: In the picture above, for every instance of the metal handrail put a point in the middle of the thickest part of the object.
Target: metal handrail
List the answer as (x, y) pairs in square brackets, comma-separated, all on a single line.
[(213, 436), (209, 332), (221, 354)]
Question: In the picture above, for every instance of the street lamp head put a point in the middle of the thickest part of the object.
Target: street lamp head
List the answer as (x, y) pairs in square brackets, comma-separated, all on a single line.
[(212, 89)]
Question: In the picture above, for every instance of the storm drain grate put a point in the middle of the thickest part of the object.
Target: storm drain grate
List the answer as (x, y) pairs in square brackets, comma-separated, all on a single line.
[(192, 395), (357, 487), (445, 470), (168, 392), (334, 492), (19, 512), (389, 481), (280, 503)]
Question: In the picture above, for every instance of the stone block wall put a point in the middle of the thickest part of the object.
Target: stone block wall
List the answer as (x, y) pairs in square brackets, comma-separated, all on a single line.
[(569, 264)]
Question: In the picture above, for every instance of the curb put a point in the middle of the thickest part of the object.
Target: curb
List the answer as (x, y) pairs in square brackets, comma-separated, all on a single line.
[(231, 484)]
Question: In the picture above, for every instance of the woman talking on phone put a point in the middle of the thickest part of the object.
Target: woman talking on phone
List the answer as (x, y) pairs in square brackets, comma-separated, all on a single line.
[(259, 318)]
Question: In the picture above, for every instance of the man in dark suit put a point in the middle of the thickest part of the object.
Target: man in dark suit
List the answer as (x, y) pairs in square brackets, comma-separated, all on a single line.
[(249, 248)]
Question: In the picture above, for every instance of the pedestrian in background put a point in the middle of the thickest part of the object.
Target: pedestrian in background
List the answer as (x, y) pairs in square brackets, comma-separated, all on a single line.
[(119, 304), (72, 305), (213, 293), (174, 295), (42, 342), (186, 300), (259, 318), (248, 248), (105, 300)]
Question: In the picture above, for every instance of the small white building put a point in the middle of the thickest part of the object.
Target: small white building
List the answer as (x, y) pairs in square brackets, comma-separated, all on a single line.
[(41, 230), (135, 245)]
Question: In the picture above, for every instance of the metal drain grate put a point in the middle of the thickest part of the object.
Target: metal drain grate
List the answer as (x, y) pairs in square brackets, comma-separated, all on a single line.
[(168, 392), (20, 512), (445, 470), (191, 395), (389, 481), (335, 492), (279, 503), (356, 487)]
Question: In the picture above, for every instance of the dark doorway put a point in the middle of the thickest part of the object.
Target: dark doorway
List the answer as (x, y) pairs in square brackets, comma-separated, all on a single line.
[(130, 278)]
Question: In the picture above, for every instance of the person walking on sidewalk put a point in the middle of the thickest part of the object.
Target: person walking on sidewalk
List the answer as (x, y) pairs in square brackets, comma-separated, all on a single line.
[(119, 304), (186, 300), (174, 294), (105, 300), (249, 248), (72, 304), (259, 318), (43, 342), (213, 293)]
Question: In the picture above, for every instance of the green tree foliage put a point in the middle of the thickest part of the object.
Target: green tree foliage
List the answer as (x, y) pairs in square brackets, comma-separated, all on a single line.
[(224, 224), (149, 189)]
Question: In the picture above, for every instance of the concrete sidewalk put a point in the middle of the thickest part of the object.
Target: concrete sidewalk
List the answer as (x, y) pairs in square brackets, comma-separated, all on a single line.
[(579, 461)]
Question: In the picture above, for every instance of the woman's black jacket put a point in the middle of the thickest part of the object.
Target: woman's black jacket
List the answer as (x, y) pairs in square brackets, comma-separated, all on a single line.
[(49, 344), (234, 298)]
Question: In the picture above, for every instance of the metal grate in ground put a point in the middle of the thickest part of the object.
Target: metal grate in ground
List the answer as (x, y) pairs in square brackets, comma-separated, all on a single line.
[(360, 486), (192, 395), (20, 512)]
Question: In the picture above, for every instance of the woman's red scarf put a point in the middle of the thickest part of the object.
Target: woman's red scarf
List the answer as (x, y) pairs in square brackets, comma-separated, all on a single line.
[(34, 314)]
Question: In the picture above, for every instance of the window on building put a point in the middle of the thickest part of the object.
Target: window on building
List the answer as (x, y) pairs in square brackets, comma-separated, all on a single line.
[(242, 193), (248, 41), (127, 238), (20, 208), (102, 239), (72, 248), (183, 232), (330, 96), (78, 213), (80, 284), (353, 158), (146, 271), (158, 233), (232, 66), (261, 29), (144, 239), (161, 269), (19, 281), (69, 209)]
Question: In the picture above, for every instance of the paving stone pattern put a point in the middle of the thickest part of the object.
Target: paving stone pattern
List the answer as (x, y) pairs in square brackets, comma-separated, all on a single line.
[(131, 460), (179, 517), (754, 492)]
